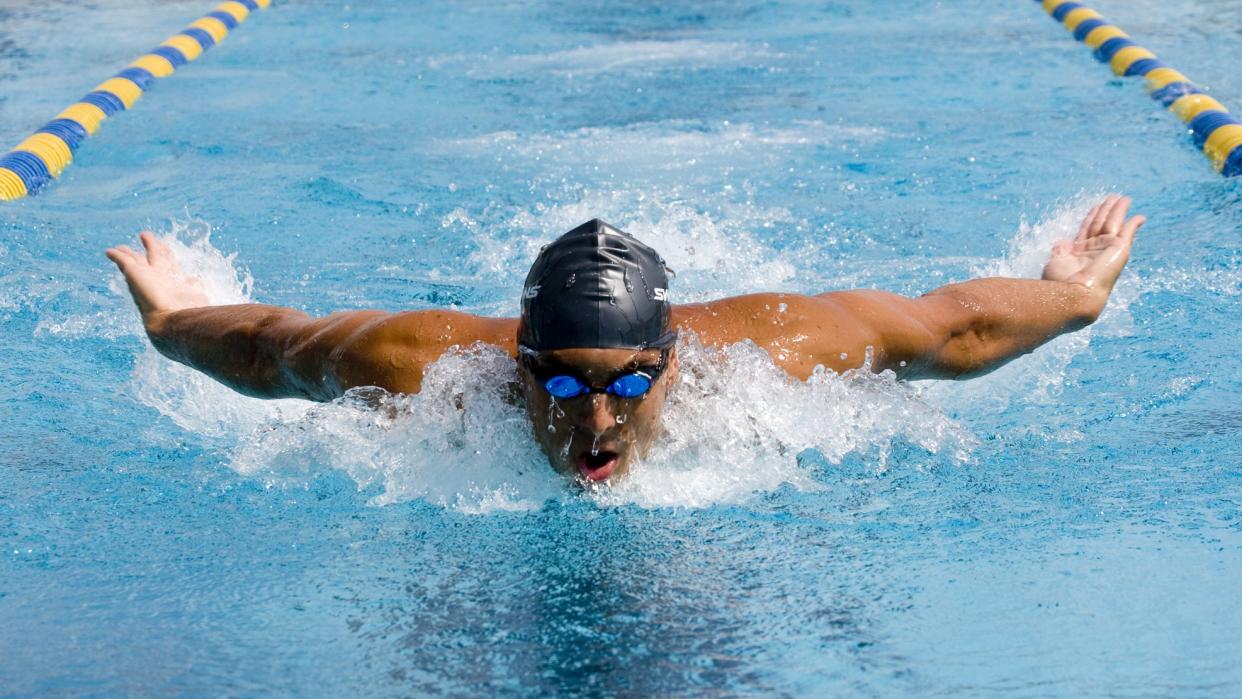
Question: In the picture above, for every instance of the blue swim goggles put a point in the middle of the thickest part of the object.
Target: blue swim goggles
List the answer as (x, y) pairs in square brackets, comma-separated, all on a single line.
[(629, 385), (633, 383)]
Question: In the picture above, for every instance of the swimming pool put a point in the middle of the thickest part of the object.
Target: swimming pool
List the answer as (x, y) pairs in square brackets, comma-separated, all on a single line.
[(1066, 526)]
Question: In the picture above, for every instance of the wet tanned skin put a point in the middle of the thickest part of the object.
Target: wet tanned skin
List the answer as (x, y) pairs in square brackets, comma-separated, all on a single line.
[(956, 331), (625, 427)]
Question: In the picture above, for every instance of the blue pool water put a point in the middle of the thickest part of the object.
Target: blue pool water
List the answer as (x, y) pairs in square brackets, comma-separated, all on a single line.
[(1067, 526)]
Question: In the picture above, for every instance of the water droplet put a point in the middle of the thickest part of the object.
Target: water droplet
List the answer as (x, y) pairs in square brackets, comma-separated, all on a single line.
[(620, 419), (573, 277), (844, 355), (781, 308), (554, 410), (569, 440), (595, 446)]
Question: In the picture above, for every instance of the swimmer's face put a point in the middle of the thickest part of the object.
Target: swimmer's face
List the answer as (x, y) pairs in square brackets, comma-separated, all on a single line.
[(618, 429)]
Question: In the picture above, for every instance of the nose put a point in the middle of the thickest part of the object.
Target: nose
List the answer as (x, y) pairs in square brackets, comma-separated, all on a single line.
[(597, 415)]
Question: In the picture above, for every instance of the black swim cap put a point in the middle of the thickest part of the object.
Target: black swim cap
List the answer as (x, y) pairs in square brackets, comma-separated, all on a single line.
[(596, 286)]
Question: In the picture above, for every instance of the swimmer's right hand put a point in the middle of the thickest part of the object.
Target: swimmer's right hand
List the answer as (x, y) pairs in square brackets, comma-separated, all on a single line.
[(155, 280)]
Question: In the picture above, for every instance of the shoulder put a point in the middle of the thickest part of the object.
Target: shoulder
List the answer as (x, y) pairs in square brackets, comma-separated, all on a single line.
[(392, 351), (799, 332), (436, 329)]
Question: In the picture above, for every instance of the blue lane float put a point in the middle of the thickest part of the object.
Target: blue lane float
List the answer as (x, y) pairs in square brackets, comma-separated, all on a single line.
[(1214, 130), (41, 158)]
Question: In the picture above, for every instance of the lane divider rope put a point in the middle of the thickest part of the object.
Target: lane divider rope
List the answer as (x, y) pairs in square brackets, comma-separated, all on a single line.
[(44, 155), (1217, 132)]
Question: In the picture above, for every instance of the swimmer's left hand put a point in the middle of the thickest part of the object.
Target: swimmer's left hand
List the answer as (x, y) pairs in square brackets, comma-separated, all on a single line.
[(1096, 256), (155, 279)]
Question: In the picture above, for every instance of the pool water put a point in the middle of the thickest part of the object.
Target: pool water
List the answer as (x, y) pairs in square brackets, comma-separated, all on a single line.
[(1067, 526)]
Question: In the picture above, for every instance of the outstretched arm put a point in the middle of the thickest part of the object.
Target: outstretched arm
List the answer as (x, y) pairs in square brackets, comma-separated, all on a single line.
[(956, 331), (967, 329), (273, 352)]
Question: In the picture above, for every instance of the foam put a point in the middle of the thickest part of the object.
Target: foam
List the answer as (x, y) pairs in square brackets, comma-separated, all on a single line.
[(669, 145), (736, 426), (620, 56), (673, 142), (712, 253)]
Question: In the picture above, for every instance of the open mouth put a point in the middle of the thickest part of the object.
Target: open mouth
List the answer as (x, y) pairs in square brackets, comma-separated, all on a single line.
[(598, 466)]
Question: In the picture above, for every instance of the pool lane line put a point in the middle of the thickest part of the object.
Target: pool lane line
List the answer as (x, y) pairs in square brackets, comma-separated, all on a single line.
[(40, 158), (1214, 129)]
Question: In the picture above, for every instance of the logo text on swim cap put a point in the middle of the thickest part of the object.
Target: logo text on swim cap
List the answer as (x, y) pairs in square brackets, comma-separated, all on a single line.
[(531, 292), (659, 294)]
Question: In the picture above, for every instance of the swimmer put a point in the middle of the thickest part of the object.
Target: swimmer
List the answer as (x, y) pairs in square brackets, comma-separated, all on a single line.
[(595, 343)]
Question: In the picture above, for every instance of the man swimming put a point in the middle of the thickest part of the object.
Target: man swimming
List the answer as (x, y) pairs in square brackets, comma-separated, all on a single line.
[(596, 340)]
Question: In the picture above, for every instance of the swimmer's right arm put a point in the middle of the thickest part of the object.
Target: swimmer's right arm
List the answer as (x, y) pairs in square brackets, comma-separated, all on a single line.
[(273, 352)]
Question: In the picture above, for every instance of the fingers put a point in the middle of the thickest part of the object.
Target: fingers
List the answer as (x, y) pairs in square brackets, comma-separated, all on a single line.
[(1116, 216), (122, 255), (158, 253), (1097, 243), (1095, 221), (1087, 221), (1131, 227)]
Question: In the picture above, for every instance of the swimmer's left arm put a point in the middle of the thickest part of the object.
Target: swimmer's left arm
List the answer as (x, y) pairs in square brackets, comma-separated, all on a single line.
[(962, 330), (968, 329)]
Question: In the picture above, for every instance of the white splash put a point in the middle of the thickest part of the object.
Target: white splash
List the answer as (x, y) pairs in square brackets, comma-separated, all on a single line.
[(711, 252), (736, 424), (190, 399), (1040, 376), (462, 442)]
